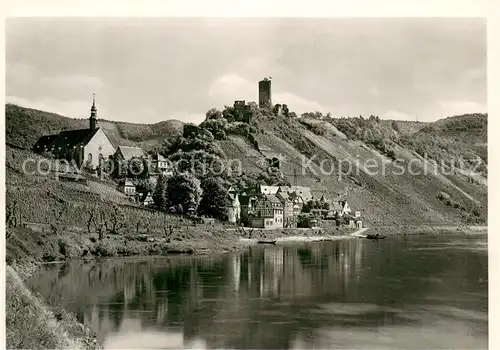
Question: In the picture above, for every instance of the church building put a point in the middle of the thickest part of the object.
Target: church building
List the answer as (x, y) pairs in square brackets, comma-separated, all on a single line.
[(86, 147)]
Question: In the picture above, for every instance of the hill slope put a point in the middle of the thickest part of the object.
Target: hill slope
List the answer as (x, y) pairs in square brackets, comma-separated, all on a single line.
[(386, 169), (379, 187), (24, 126)]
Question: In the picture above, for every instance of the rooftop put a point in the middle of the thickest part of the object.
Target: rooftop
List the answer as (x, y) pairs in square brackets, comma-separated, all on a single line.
[(129, 152)]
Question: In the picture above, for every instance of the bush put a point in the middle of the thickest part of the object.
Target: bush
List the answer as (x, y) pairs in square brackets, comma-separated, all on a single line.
[(444, 196), (391, 154), (105, 249), (304, 220)]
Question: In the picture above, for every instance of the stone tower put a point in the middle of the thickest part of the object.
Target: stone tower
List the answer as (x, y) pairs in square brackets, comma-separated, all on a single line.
[(93, 115), (265, 93)]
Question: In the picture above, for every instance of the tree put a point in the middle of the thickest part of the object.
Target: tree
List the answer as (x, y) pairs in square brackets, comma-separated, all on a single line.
[(135, 168), (276, 109), (285, 110), (213, 201), (229, 114), (92, 213), (200, 163), (184, 189), (338, 219), (145, 171), (273, 176), (144, 186), (395, 126), (120, 168), (117, 219), (160, 193), (216, 126), (12, 214), (213, 113)]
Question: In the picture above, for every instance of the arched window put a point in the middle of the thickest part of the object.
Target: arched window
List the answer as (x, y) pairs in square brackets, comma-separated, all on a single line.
[(101, 160), (89, 158)]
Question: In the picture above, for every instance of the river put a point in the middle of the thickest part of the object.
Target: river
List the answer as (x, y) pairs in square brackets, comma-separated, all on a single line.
[(418, 291)]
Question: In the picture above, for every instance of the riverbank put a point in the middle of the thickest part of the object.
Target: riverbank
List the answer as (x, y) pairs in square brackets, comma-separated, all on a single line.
[(31, 324), (307, 237), (28, 248)]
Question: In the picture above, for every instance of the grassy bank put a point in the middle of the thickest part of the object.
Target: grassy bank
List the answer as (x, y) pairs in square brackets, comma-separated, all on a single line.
[(31, 324)]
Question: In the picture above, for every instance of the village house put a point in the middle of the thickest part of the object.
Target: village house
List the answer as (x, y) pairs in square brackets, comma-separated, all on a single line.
[(298, 203), (303, 192), (85, 147), (233, 206), (340, 207), (268, 189), (298, 194), (126, 186), (345, 208), (161, 165), (146, 199), (289, 217), (268, 212), (247, 203), (127, 153)]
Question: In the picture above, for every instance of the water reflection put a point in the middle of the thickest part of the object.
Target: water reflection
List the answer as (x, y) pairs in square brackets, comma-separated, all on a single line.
[(352, 293)]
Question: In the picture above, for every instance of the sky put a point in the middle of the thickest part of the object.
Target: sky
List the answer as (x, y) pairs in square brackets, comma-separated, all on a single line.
[(146, 70)]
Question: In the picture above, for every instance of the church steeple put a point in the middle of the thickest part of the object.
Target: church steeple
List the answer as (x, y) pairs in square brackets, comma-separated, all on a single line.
[(93, 114)]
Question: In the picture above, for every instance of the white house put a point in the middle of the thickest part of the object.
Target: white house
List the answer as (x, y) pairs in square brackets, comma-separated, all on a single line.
[(233, 207)]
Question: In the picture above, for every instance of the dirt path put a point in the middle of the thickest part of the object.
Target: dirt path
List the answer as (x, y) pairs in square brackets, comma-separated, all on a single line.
[(359, 233), (297, 238)]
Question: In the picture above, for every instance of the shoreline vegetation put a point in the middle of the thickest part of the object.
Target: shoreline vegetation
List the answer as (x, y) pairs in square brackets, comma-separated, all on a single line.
[(50, 326)]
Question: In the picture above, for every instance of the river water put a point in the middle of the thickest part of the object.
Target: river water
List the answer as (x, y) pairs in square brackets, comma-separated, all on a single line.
[(419, 291)]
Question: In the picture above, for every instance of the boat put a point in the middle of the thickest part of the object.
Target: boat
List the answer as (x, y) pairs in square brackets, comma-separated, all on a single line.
[(267, 242), (375, 236)]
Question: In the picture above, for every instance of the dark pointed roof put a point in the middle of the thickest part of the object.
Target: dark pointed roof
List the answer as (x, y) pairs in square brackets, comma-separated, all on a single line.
[(72, 138), (44, 142), (282, 195), (272, 198), (65, 140)]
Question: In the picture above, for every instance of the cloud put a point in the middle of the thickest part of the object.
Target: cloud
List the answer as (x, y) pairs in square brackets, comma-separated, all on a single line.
[(31, 87), (230, 87), (71, 108), (375, 90), (186, 117), (397, 115), (451, 108), (73, 82), (298, 104)]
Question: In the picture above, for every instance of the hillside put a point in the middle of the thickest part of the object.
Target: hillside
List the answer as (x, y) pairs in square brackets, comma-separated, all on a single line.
[(24, 126), (385, 198), (320, 152), (462, 136)]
